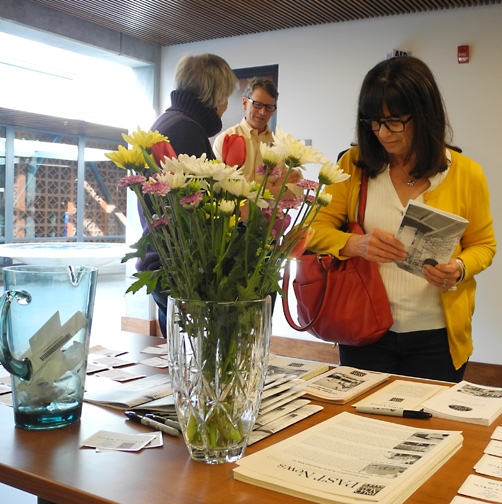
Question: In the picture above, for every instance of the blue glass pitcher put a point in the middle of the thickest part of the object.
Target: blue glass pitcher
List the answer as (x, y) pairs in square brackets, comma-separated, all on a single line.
[(45, 323)]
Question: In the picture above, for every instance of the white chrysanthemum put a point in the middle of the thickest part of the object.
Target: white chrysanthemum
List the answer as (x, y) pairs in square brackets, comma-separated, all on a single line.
[(295, 151), (174, 176), (239, 188), (324, 198), (269, 157), (331, 174), (227, 207)]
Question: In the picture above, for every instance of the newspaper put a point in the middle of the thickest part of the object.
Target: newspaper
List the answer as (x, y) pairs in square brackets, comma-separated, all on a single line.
[(127, 395), (303, 369), (467, 402), (349, 459), (429, 236), (406, 395), (341, 384)]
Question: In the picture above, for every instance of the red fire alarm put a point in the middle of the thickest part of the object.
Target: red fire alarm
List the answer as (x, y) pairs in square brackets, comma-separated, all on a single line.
[(463, 54)]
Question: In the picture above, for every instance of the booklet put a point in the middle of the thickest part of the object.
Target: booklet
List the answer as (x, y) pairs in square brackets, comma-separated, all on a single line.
[(429, 236), (127, 395), (303, 369), (351, 459), (467, 402), (341, 384), (401, 394)]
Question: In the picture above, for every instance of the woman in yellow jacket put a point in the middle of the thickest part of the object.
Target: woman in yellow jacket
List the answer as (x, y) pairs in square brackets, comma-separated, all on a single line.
[(402, 146)]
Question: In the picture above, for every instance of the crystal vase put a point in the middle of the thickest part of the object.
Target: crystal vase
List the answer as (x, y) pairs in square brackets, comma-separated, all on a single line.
[(217, 361)]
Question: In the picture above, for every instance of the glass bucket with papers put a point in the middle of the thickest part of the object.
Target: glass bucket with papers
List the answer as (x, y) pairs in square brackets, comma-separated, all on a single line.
[(45, 321)]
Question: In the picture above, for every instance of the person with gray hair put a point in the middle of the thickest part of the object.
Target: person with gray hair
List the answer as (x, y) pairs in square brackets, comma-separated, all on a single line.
[(259, 103), (203, 84)]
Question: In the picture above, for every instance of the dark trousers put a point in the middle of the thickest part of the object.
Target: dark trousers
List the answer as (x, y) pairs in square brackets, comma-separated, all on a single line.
[(423, 354)]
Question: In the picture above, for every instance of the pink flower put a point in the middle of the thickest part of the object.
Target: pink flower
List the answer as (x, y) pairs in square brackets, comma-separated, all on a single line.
[(131, 180), (191, 199), (159, 222), (261, 169), (158, 188), (310, 198), (307, 184), (275, 171), (289, 203)]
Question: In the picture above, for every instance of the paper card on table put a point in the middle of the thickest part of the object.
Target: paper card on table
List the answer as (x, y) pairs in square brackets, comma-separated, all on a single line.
[(497, 433), (101, 350), (119, 375), (6, 399), (111, 362), (107, 440), (156, 350), (5, 389), (482, 488), (94, 367), (463, 500), (158, 362), (489, 466), (494, 448)]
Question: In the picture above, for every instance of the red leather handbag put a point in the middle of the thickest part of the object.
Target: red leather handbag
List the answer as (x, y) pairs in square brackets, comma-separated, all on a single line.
[(338, 301)]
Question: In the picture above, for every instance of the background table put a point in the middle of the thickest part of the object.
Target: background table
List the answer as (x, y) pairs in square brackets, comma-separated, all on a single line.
[(52, 465)]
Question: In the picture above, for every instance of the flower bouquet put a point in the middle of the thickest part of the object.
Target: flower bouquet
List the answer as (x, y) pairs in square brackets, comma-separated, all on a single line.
[(221, 241)]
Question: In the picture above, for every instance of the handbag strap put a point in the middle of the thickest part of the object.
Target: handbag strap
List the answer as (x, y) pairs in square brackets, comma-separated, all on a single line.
[(325, 268)]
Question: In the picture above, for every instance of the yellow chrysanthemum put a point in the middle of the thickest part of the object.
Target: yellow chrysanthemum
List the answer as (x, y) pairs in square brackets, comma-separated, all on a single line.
[(142, 139), (128, 159)]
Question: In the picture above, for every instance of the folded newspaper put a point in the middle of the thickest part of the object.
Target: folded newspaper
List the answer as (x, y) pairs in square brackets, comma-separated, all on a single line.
[(350, 459)]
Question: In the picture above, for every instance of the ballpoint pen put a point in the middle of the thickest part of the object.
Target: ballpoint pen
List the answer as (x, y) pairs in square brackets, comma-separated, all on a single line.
[(375, 410), (165, 421), (135, 417)]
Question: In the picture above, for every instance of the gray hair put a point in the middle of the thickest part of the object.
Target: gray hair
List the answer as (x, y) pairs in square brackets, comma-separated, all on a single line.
[(208, 77), (260, 82)]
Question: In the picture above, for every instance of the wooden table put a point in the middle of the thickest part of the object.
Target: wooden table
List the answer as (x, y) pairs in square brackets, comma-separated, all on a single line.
[(52, 465)]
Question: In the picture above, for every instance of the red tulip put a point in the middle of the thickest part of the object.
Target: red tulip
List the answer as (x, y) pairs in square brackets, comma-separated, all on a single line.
[(161, 150), (302, 245), (234, 150)]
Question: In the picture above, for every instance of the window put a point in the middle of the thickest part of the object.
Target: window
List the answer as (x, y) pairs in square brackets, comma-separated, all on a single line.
[(63, 186)]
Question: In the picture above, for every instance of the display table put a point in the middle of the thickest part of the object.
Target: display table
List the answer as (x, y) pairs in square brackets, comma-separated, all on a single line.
[(52, 465)]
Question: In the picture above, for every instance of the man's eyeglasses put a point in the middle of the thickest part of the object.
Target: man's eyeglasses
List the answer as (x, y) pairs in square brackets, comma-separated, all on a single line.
[(259, 105), (392, 125)]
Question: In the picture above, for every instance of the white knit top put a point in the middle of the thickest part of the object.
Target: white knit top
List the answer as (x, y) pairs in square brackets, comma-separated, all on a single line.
[(415, 304)]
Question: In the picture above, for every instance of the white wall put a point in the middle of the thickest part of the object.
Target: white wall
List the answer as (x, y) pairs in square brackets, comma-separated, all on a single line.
[(320, 72)]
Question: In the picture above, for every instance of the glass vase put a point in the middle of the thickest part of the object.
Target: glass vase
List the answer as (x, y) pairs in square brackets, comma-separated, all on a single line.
[(217, 361)]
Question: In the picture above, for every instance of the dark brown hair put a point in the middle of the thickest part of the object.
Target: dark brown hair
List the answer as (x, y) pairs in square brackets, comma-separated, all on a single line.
[(406, 86)]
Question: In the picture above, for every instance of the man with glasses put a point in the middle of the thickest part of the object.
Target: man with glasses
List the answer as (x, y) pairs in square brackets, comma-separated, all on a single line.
[(259, 102)]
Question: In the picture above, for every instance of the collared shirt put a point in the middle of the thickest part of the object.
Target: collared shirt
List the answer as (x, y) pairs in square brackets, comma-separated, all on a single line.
[(253, 154)]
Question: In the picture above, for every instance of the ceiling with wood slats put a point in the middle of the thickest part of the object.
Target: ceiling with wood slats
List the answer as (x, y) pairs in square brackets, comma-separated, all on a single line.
[(171, 22)]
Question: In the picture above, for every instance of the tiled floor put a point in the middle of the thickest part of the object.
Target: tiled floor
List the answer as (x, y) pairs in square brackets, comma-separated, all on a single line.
[(108, 310)]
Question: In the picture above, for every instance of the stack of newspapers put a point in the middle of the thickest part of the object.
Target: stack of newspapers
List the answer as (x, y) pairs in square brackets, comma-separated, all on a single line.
[(350, 459)]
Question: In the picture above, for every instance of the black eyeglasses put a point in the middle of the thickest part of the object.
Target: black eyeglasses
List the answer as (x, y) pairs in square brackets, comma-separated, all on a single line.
[(393, 125), (259, 105)]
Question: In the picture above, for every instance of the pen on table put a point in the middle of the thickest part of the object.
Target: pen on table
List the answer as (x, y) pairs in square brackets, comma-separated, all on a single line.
[(135, 417), (165, 421), (375, 410)]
